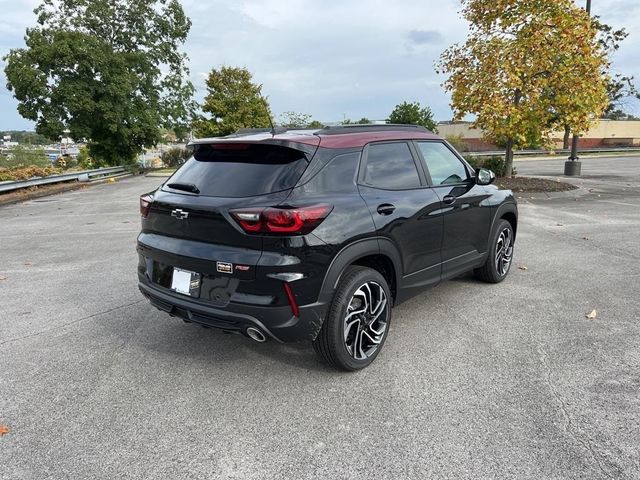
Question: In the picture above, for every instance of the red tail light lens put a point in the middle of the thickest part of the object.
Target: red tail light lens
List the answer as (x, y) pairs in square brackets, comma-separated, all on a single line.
[(145, 204), (290, 221)]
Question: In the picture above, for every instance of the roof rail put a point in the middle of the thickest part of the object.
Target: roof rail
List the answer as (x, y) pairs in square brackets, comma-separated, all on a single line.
[(358, 128)]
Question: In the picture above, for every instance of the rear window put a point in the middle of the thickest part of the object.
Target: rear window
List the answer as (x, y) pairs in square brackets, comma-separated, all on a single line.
[(241, 170)]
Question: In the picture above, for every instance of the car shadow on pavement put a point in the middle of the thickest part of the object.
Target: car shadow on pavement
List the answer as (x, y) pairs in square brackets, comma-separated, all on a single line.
[(157, 332)]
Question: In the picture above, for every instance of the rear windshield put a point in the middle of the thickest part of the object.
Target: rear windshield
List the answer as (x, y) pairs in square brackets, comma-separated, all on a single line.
[(241, 170)]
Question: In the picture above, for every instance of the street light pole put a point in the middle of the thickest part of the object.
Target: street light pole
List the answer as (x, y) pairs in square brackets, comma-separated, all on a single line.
[(573, 166)]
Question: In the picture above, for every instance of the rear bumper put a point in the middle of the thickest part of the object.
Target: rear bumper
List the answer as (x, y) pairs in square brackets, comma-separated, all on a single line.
[(276, 322)]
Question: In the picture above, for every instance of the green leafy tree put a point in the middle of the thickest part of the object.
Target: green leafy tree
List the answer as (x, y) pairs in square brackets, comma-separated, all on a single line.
[(413, 114), (295, 120), (315, 124), (29, 138), (233, 102), (362, 121), (109, 70), (526, 69)]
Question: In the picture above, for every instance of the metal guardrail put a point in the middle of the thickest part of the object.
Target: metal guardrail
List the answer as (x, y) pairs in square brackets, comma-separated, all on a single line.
[(83, 176), (552, 152)]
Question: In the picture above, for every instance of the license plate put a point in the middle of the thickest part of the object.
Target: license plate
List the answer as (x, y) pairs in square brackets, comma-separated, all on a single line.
[(185, 282)]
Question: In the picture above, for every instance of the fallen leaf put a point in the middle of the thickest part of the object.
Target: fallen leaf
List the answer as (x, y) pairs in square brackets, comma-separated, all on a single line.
[(522, 267), (592, 315), (3, 430), (2, 277), (559, 225), (28, 264)]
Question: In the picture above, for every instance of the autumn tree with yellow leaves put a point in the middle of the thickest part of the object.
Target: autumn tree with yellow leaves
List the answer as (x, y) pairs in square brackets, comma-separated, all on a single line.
[(527, 68)]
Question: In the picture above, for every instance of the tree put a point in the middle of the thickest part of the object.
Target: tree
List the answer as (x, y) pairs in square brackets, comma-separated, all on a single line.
[(619, 87), (108, 70), (295, 120), (362, 121), (22, 136), (233, 101), (413, 114), (526, 69), (315, 124)]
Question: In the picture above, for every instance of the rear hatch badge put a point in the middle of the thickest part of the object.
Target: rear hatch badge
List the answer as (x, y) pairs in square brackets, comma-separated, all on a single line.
[(224, 267)]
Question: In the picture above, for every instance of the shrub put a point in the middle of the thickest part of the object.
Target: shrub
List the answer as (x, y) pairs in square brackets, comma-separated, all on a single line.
[(24, 156), (175, 156), (458, 142), (66, 162), (84, 160), (495, 163), (25, 173)]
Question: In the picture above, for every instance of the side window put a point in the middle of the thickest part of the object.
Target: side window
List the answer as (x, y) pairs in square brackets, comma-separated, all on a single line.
[(445, 168), (390, 166)]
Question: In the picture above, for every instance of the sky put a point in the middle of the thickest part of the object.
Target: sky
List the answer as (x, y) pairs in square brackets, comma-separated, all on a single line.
[(331, 59)]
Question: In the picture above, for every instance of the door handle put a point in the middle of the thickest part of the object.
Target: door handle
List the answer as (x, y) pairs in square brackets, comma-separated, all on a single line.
[(448, 199), (386, 209)]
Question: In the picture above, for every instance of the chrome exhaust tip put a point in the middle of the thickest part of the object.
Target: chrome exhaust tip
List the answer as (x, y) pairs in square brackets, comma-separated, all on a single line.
[(255, 334)]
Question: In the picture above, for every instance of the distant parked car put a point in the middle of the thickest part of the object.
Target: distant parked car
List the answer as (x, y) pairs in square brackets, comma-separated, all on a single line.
[(315, 235)]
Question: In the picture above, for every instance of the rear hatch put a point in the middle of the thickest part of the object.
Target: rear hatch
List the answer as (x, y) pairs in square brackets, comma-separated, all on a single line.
[(188, 224)]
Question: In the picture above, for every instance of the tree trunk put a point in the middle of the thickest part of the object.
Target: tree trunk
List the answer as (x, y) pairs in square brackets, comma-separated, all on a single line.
[(508, 161), (565, 140)]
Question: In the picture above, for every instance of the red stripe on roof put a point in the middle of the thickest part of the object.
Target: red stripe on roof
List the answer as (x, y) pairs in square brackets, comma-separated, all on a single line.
[(349, 140)]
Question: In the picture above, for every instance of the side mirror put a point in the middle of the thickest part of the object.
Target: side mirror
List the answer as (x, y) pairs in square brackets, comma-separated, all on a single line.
[(484, 176)]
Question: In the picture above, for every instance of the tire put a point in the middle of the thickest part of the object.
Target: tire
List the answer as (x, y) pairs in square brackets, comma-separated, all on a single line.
[(499, 260), (355, 343)]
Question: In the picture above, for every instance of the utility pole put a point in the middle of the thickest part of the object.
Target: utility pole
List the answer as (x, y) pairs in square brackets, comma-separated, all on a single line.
[(573, 166)]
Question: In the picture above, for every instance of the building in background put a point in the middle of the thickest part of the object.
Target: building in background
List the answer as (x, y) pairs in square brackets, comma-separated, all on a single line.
[(603, 133)]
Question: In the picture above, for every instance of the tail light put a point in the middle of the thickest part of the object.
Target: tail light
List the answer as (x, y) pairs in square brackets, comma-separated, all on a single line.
[(281, 220), (145, 204)]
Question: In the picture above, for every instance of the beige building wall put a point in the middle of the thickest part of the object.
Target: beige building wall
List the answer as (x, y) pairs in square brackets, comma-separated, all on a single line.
[(602, 133)]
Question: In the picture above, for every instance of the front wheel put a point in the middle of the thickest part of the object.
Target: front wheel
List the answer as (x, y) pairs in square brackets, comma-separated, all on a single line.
[(357, 323), (500, 255)]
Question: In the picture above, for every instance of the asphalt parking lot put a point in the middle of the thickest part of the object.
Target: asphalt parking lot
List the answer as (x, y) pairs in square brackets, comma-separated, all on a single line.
[(475, 380)]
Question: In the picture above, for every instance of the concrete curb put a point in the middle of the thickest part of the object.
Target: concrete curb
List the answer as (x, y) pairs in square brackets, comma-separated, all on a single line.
[(563, 157), (578, 192)]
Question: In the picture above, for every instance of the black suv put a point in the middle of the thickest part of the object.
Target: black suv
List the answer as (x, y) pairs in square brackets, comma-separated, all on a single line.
[(315, 235)]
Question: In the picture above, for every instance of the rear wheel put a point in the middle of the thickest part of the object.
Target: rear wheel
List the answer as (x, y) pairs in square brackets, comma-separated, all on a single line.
[(500, 256), (357, 323)]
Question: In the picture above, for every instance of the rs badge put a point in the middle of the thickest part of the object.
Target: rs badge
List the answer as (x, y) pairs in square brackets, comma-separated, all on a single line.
[(224, 267)]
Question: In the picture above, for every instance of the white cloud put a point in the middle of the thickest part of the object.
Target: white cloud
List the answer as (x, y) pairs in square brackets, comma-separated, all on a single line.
[(356, 57)]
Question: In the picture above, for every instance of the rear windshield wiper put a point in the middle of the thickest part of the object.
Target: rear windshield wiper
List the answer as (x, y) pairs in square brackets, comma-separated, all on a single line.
[(187, 187)]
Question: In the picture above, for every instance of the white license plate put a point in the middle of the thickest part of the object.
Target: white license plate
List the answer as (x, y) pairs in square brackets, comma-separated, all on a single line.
[(185, 282)]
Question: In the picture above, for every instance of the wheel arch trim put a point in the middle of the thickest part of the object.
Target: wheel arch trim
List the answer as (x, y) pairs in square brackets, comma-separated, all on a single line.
[(352, 253), (501, 211)]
